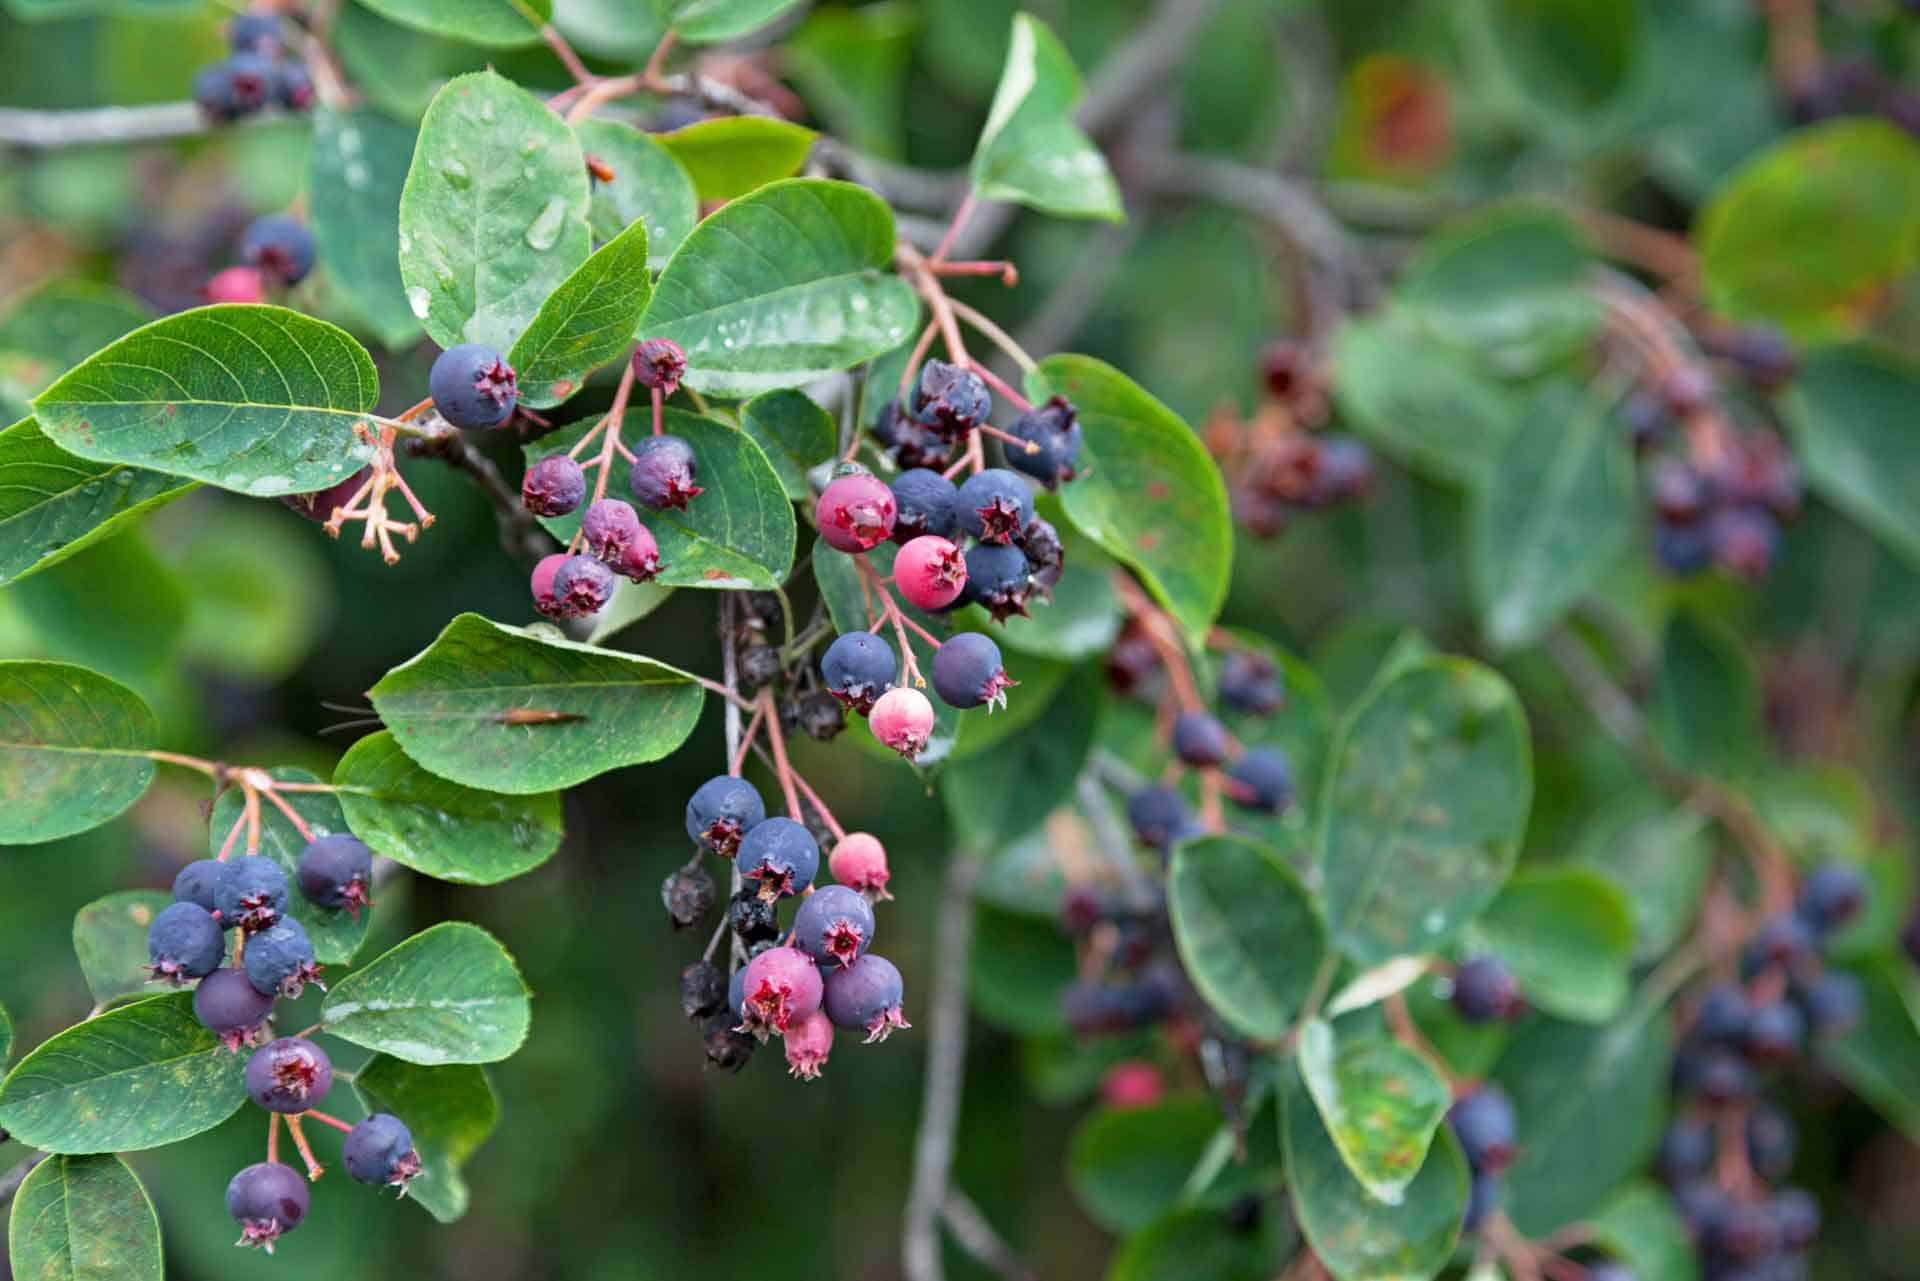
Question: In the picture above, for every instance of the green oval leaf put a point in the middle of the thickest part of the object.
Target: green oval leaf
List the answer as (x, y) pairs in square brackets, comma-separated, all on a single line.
[(1639, 1226), (1880, 1057), (337, 936), (1019, 967), (84, 1218), (1552, 514), (256, 399), (739, 533), (794, 433), (1572, 1157), (1706, 697), (1128, 1165), (444, 707), (439, 828), (1247, 931), (53, 504), (1420, 402), (1358, 1237), (1566, 56), (494, 213), (1148, 494), (1379, 1102), (1030, 151), (110, 942), (709, 21), (587, 322), (1811, 232), (141, 1076), (449, 994), (994, 797), (49, 330), (731, 155), (500, 24), (649, 186), (359, 165), (1851, 410), (1188, 1244), (806, 297), (450, 1110), (6, 1034), (1426, 802), (72, 747), (1567, 936)]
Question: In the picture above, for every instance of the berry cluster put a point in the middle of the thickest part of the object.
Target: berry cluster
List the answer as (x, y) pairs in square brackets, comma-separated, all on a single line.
[(1724, 1154), (273, 958), (276, 253), (803, 981), (1277, 463), (256, 74)]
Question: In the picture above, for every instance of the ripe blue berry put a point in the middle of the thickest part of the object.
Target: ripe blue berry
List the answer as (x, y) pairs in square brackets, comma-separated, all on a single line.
[(1831, 897), (998, 578), (913, 444), (663, 473), (1686, 1150), (1771, 1140), (1159, 816), (1483, 1122), (194, 883), (1834, 1003), (279, 960), (268, 1201), (292, 86), (582, 585), (721, 811), (251, 78), (1782, 940), (472, 387), (1055, 429), (1746, 1232), (780, 854), (1250, 684), (214, 93), (1724, 1015), (1683, 549), (1646, 419), (1261, 780), (553, 486), (951, 399), (1483, 1198), (251, 892), (227, 1004), (857, 668), (967, 672), (379, 1150), (1719, 1076), (254, 33), (834, 926), (281, 247), (183, 942), (290, 1074), (1744, 540), (1200, 739), (780, 987), (925, 502), (1609, 1272), (867, 996), (1763, 355), (856, 512), (1485, 990), (336, 871), (1775, 1033), (1343, 470), (1796, 1217), (995, 505)]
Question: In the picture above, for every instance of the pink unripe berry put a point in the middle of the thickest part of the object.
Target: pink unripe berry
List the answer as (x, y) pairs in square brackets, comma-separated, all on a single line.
[(1134, 1083), (859, 862), (903, 720), (543, 573), (236, 284), (808, 1043), (930, 572), (782, 988), (641, 560), (855, 513)]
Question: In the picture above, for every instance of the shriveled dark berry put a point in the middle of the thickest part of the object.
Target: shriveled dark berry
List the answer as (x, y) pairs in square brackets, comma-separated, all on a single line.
[(688, 896), (752, 917), (183, 942), (379, 1150), (290, 1074), (821, 716), (281, 247), (720, 812), (336, 871), (994, 505), (953, 399), (857, 668), (703, 990), (553, 486), (913, 444), (1485, 990), (663, 472), (268, 1201), (473, 387), (759, 666), (728, 1048)]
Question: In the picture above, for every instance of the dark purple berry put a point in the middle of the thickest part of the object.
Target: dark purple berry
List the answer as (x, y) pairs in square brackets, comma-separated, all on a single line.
[(1771, 1140), (1744, 540), (664, 469), (1261, 780), (1053, 432), (183, 942), (1702, 1205), (1775, 1033), (925, 502), (953, 399), (834, 926), (226, 1003), (659, 364), (336, 871), (720, 812), (251, 78), (1680, 494), (1724, 1015), (194, 883), (213, 93), (727, 1047), (687, 894), (1687, 389), (292, 86), (967, 672), (1720, 1076), (858, 667), (1796, 1216), (553, 486), (998, 578), (268, 1201), (1483, 1198), (752, 918), (610, 527), (866, 996), (279, 959), (703, 990), (290, 1074), (1343, 471), (1200, 739), (1831, 897), (250, 891), (1046, 554), (1782, 940), (255, 33), (912, 443), (379, 1150), (1647, 420), (1834, 1003), (1686, 1150), (281, 247), (1250, 684), (1483, 1122), (1484, 990), (780, 854), (1763, 355), (1159, 816), (473, 387), (994, 505), (1683, 549), (582, 585), (1746, 1232)]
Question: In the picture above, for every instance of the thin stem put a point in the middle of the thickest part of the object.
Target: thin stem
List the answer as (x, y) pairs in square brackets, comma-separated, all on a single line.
[(273, 1138), (226, 846), (1006, 393), (960, 216), (928, 286), (653, 75), (250, 810), (976, 1236), (738, 760), (305, 1149), (324, 1119), (214, 770), (1008, 273), (820, 807), (299, 824), (612, 424), (568, 58), (716, 687), (1159, 632), (995, 334), (781, 766), (730, 673)]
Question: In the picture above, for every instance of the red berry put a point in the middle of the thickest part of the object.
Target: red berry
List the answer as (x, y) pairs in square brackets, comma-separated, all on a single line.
[(1134, 1083), (543, 599), (859, 862), (856, 512), (902, 718), (236, 284), (782, 988), (930, 572)]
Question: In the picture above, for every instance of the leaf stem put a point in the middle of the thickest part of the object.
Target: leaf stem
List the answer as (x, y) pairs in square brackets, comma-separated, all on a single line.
[(960, 216)]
